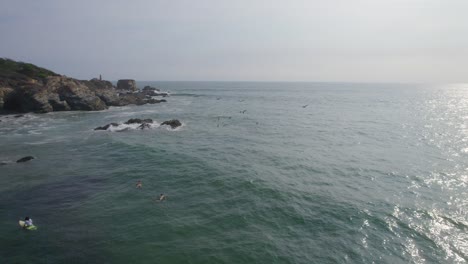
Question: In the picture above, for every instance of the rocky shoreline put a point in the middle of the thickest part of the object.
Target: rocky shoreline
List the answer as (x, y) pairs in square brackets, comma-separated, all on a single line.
[(26, 88)]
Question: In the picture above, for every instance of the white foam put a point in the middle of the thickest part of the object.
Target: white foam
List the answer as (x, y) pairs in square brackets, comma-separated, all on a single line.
[(125, 127), (162, 93), (168, 127), (155, 125), (47, 141), (34, 132)]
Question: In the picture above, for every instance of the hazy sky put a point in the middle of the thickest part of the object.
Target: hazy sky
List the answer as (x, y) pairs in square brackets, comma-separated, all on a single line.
[(264, 40)]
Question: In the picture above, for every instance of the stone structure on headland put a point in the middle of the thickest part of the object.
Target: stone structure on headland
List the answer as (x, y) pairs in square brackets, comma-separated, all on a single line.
[(25, 87), (127, 84)]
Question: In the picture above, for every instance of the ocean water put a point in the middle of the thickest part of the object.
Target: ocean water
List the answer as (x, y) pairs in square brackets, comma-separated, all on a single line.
[(258, 173)]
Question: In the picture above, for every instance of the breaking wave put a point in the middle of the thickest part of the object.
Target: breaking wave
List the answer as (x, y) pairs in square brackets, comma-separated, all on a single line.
[(155, 125)]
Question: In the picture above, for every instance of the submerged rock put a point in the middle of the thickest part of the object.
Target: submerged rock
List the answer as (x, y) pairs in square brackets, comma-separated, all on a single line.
[(174, 123), (24, 159), (106, 126), (155, 101)]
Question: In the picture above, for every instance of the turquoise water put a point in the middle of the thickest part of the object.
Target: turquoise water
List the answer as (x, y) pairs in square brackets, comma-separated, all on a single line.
[(364, 173)]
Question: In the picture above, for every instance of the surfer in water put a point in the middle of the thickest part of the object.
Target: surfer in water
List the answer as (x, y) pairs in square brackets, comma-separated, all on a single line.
[(162, 197), (27, 222), (139, 184)]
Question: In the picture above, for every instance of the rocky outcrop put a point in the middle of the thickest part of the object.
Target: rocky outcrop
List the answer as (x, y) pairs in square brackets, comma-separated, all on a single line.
[(5, 95), (105, 91), (150, 88), (28, 88), (58, 93), (138, 121), (139, 98), (127, 84), (143, 124), (133, 98), (152, 91), (174, 123)]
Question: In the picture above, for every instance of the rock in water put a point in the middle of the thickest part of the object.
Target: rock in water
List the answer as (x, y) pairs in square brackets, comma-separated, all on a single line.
[(127, 84), (137, 98), (152, 91), (139, 121), (24, 159), (149, 88), (106, 126), (154, 101), (144, 125), (173, 123)]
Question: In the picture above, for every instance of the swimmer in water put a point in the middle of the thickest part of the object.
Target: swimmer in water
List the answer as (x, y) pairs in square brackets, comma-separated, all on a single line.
[(139, 184), (162, 197)]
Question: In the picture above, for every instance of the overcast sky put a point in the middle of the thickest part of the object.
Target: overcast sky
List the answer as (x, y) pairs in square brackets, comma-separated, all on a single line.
[(241, 40)]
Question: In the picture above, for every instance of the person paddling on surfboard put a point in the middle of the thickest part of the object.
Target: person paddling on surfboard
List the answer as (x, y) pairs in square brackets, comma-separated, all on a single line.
[(27, 222)]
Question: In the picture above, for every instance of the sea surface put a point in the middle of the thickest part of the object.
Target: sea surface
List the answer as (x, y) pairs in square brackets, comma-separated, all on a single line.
[(258, 173)]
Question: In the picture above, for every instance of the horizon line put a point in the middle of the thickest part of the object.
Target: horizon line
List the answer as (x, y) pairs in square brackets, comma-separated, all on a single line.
[(342, 82)]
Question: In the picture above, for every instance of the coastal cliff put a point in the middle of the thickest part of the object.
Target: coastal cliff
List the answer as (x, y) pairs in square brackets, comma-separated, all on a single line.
[(25, 87)]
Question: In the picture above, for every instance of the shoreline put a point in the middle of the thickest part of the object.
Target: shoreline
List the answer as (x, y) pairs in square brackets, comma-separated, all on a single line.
[(26, 88)]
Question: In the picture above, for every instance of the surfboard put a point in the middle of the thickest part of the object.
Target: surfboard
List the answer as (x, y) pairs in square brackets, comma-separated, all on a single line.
[(22, 224)]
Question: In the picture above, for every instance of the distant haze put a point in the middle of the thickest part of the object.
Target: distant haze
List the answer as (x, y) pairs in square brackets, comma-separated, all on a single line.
[(241, 40)]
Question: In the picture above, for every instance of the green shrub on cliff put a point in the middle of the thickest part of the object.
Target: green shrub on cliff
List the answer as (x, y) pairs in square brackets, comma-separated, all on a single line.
[(10, 68)]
